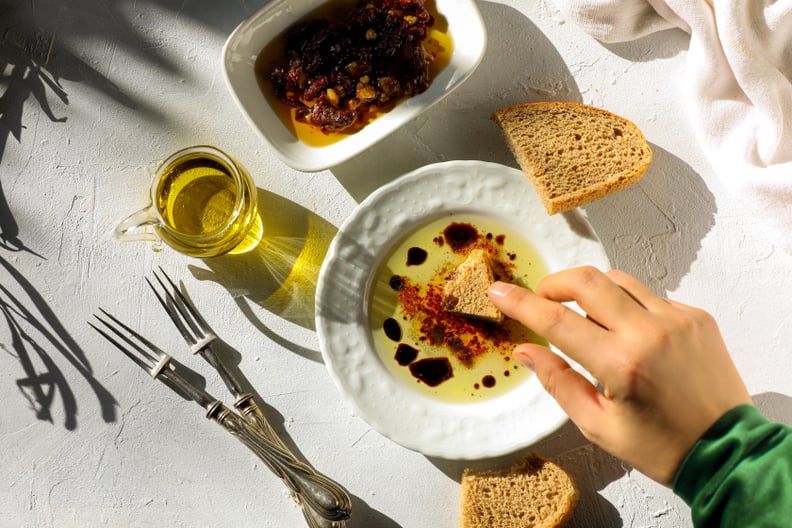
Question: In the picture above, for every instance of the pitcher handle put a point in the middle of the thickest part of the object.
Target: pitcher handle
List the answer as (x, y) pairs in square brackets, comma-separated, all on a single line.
[(137, 227)]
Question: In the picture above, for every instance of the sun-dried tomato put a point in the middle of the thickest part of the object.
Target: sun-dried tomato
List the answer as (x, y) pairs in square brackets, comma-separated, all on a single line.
[(334, 73)]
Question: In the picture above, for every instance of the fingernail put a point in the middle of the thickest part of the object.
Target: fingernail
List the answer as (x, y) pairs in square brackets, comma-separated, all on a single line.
[(500, 289), (523, 358)]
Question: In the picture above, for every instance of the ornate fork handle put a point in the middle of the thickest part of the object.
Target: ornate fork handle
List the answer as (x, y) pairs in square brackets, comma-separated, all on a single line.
[(322, 495), (250, 411)]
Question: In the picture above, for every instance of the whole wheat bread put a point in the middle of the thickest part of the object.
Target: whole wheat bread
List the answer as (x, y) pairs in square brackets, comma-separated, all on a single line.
[(533, 493), (573, 153), (466, 290)]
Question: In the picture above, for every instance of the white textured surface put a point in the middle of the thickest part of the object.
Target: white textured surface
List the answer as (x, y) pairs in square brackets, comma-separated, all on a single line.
[(89, 440)]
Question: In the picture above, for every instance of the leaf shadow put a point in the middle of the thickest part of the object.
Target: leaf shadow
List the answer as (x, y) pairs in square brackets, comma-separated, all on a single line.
[(35, 331)]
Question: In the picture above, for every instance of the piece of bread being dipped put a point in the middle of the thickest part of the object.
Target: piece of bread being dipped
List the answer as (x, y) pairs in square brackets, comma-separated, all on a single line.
[(572, 153), (465, 292)]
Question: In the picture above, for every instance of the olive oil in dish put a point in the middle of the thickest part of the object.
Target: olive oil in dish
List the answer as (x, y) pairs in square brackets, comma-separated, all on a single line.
[(447, 356)]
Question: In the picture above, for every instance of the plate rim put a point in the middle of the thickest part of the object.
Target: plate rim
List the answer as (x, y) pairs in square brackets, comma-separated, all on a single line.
[(531, 389)]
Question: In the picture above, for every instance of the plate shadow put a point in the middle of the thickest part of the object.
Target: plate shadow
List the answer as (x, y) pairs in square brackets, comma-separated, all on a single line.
[(654, 229)]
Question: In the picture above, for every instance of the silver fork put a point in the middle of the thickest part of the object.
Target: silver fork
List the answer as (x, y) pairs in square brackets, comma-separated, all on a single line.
[(200, 337), (197, 333), (324, 503)]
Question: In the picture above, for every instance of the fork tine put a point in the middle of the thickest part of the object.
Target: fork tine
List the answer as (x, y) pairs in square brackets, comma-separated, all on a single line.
[(181, 309), (142, 364), (183, 313), (132, 333), (153, 364), (153, 360), (200, 322), (172, 309)]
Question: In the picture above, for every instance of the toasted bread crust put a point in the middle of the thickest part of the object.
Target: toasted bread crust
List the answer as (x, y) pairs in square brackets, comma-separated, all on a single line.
[(573, 153)]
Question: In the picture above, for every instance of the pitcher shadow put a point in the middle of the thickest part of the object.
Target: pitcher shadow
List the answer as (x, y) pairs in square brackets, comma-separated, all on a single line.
[(459, 126), (280, 273)]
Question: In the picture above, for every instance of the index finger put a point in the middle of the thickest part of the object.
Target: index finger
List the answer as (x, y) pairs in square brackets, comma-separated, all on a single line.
[(603, 299), (578, 337)]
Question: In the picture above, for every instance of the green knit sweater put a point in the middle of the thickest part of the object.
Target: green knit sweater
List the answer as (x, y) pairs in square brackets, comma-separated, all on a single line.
[(739, 473)]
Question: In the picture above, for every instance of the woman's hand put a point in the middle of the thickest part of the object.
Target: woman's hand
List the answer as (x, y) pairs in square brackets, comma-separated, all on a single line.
[(665, 373)]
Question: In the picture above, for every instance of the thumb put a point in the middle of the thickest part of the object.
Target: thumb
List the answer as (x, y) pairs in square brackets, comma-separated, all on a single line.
[(579, 399)]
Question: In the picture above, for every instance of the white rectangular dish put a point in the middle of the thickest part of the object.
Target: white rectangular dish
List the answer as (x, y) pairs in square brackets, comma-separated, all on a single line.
[(268, 23)]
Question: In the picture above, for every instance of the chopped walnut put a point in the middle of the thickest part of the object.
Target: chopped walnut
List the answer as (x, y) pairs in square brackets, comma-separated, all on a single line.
[(332, 97), (365, 93)]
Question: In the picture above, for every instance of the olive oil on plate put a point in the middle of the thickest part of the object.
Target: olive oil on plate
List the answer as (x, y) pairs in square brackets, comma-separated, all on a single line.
[(447, 356)]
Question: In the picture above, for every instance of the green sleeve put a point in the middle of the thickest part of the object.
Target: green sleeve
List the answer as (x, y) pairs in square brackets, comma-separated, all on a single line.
[(739, 473)]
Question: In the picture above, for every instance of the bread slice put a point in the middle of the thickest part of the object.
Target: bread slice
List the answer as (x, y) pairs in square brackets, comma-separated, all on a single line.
[(573, 153), (466, 291), (533, 493)]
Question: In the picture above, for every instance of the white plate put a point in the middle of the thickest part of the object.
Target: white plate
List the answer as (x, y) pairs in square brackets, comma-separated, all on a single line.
[(247, 40), (454, 431)]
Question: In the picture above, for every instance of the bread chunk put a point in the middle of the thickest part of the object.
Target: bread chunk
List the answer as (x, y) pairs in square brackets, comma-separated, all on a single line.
[(466, 291), (574, 154), (533, 493)]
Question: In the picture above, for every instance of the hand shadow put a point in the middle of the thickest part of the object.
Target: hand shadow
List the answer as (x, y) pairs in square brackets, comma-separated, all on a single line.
[(593, 470), (280, 273), (653, 230)]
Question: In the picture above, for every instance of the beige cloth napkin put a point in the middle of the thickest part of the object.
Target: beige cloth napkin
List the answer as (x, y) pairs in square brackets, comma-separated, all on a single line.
[(738, 84)]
